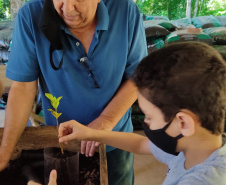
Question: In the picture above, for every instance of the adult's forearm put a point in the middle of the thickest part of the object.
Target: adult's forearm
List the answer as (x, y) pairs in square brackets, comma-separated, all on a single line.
[(19, 105), (121, 102)]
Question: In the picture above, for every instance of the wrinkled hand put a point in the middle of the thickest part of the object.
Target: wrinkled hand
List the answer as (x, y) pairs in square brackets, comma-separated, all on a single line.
[(52, 179), (88, 147), (4, 158)]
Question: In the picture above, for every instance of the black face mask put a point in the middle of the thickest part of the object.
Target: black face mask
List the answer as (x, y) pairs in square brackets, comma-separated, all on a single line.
[(161, 139), (50, 25)]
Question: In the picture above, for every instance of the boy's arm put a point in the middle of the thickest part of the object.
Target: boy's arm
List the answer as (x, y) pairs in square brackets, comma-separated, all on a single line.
[(130, 142)]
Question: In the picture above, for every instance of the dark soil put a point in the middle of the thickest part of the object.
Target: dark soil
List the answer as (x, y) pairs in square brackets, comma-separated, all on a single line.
[(91, 176), (30, 166), (66, 164)]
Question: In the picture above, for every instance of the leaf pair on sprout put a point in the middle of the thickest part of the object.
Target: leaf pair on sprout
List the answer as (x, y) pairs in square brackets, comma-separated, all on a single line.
[(55, 103)]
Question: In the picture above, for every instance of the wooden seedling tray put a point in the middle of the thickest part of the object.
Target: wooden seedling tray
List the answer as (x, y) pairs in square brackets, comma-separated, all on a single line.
[(36, 138)]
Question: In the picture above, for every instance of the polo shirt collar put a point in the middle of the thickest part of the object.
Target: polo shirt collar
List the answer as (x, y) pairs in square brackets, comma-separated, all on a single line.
[(102, 17)]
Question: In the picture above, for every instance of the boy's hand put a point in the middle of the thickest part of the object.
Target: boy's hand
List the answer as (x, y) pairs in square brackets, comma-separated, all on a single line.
[(52, 179), (31, 182), (72, 130)]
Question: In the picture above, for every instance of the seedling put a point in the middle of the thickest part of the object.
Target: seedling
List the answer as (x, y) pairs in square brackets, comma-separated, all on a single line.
[(55, 103)]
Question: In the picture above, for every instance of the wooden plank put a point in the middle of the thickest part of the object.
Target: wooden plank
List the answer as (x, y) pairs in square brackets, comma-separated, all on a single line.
[(6, 82), (34, 122), (2, 88), (103, 165), (34, 138), (38, 118)]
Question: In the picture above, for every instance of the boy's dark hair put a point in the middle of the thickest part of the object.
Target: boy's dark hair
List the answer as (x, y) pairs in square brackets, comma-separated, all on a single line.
[(189, 75)]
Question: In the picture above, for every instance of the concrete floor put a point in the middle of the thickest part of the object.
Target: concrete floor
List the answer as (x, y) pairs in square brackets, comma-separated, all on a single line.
[(148, 171), (2, 117)]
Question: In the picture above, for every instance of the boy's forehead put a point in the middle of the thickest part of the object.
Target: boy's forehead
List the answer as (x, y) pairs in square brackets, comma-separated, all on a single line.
[(145, 105)]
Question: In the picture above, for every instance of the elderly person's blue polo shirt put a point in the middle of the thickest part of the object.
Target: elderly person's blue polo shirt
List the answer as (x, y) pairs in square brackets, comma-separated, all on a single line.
[(117, 47)]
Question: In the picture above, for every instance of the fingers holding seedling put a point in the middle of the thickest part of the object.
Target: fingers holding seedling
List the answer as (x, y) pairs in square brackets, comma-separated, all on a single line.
[(65, 129), (65, 132)]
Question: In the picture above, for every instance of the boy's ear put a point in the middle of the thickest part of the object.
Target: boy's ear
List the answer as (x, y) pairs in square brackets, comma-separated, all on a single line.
[(186, 123)]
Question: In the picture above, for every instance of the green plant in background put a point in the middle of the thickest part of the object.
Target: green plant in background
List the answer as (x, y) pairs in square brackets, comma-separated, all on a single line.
[(55, 103), (176, 9), (173, 9), (4, 9), (215, 7)]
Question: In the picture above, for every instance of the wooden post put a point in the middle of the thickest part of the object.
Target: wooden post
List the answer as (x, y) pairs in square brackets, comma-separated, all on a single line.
[(2, 88), (6, 82), (14, 7), (188, 9), (103, 165), (196, 8)]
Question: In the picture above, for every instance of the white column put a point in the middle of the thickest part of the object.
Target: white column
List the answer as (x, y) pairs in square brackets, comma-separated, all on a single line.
[(14, 7)]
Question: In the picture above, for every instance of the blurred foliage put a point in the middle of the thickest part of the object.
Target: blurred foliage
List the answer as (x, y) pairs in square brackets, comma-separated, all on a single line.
[(4, 9), (176, 9)]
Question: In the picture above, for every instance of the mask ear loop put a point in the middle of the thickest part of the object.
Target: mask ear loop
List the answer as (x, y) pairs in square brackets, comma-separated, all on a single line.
[(51, 59), (179, 136), (166, 126)]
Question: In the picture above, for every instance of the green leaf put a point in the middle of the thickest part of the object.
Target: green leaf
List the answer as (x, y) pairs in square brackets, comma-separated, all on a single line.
[(58, 115), (50, 96), (58, 101), (59, 98), (54, 99), (53, 103), (57, 104), (55, 114)]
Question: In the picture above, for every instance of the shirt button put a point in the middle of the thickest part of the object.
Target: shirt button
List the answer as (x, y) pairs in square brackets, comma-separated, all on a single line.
[(77, 43), (82, 60)]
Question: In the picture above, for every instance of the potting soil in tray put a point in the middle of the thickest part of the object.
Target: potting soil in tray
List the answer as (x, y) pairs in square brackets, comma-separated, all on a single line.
[(30, 166)]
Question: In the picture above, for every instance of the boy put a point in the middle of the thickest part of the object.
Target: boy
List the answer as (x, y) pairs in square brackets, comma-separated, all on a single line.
[(181, 90)]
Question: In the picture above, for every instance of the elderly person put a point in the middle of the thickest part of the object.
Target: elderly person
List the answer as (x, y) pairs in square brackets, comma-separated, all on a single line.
[(85, 51)]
